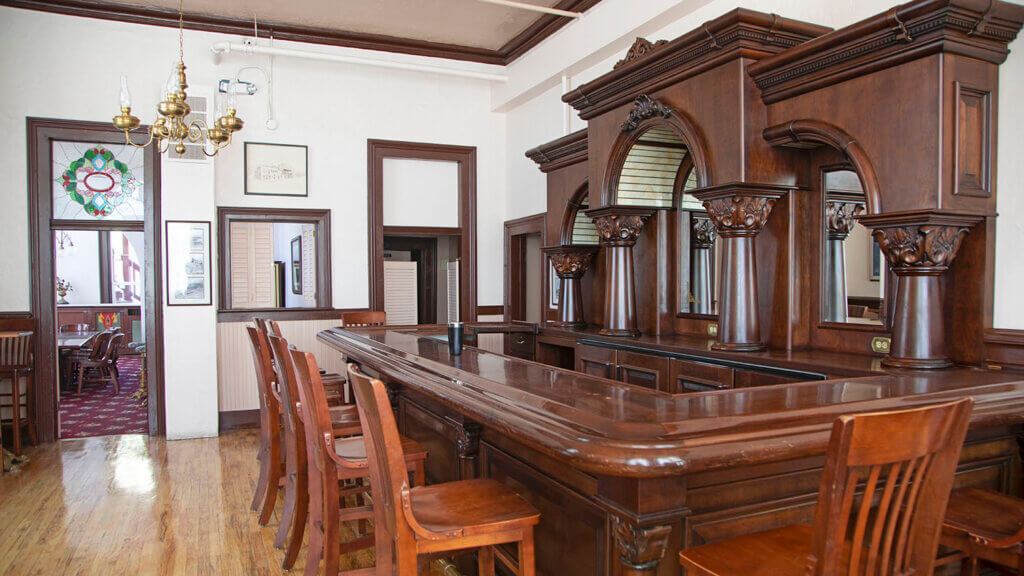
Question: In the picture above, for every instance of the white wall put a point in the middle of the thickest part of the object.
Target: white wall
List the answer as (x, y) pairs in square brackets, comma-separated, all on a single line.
[(80, 265), (420, 192), (589, 47)]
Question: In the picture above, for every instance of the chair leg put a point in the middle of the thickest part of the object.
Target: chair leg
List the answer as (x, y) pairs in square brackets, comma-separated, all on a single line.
[(526, 561), (314, 550), (969, 566), (298, 523), (485, 561), (81, 376), (113, 378), (331, 552), (16, 413), (29, 403)]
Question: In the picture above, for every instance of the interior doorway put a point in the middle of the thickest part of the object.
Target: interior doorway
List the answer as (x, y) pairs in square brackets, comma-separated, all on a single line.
[(525, 266), (84, 178), (419, 296)]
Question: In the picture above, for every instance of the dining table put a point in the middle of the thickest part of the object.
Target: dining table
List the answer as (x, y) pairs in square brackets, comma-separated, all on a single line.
[(67, 343)]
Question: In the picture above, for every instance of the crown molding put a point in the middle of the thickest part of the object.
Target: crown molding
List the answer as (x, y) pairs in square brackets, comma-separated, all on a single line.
[(738, 33), (974, 28), (565, 151), (543, 27)]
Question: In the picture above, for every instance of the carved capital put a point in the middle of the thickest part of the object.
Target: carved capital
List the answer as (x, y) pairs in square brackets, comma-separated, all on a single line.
[(702, 232), (467, 439), (571, 261), (639, 548), (921, 249), (840, 218), (645, 107), (640, 48), (739, 215), (619, 225)]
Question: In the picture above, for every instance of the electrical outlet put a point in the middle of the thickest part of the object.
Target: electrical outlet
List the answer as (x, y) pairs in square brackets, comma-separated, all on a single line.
[(880, 345), (713, 329)]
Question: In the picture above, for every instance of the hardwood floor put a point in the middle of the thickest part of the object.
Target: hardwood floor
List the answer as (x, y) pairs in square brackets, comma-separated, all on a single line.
[(139, 505)]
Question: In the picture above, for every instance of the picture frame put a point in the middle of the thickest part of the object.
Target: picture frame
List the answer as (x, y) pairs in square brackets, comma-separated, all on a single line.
[(276, 169), (188, 260), (297, 265), (554, 286)]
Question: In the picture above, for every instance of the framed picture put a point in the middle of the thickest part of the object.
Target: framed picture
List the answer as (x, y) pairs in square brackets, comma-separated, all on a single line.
[(876, 260), (554, 285), (276, 169), (188, 263), (297, 265)]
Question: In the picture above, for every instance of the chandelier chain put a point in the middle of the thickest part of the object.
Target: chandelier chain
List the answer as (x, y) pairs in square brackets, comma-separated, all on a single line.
[(181, 32)]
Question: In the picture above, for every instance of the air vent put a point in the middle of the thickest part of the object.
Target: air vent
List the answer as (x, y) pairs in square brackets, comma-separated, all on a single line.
[(200, 106)]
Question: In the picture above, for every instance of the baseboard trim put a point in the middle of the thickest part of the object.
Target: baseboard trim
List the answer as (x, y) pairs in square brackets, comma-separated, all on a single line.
[(239, 420)]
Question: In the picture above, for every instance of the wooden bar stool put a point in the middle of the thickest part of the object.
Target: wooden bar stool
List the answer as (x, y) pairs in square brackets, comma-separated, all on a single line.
[(334, 384), (331, 460), (411, 522), (368, 318), (910, 455), (985, 525), (269, 455), (17, 387), (296, 480)]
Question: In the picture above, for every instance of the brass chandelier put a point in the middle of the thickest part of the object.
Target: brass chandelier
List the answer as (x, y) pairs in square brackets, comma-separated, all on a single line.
[(171, 126)]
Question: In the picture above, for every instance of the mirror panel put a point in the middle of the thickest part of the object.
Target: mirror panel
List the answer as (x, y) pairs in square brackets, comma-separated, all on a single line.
[(853, 269), (653, 170)]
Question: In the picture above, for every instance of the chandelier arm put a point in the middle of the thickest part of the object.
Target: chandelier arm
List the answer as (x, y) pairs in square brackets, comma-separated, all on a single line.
[(201, 130), (128, 139)]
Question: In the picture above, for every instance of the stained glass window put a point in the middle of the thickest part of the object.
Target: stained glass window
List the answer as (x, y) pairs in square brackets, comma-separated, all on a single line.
[(97, 181)]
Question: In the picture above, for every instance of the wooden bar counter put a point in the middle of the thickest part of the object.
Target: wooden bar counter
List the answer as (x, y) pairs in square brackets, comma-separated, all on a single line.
[(626, 475)]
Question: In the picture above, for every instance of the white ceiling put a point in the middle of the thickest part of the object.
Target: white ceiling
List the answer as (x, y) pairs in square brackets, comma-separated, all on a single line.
[(461, 22)]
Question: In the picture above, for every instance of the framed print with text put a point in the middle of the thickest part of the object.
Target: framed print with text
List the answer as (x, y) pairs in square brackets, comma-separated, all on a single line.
[(276, 169)]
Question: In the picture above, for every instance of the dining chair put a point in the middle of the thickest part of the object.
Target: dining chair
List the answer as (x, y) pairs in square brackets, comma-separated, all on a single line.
[(334, 384), (74, 328), (17, 387), (269, 455), (100, 361), (330, 461), (366, 318), (985, 526), (905, 460), (411, 522)]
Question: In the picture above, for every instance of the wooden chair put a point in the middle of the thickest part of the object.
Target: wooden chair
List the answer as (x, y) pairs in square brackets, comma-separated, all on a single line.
[(417, 521), (985, 526), (269, 455), (17, 387), (101, 361), (74, 327), (334, 384), (910, 455), (368, 318), (331, 460)]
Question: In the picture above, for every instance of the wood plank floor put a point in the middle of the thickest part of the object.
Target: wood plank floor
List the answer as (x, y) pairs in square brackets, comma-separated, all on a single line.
[(137, 505)]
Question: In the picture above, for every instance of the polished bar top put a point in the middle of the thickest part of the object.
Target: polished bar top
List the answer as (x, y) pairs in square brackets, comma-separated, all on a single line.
[(608, 427)]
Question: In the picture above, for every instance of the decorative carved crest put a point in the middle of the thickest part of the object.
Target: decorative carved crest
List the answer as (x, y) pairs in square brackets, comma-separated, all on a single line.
[(467, 439), (924, 248), (702, 231), (645, 107), (640, 48), (839, 216), (641, 549), (739, 215), (571, 264), (619, 228)]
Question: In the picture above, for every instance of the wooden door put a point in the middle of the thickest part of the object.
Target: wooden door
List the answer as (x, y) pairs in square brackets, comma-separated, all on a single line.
[(687, 376), (643, 370), (595, 361)]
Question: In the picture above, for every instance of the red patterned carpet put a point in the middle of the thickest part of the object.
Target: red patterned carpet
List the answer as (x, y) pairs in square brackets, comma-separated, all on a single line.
[(98, 412)]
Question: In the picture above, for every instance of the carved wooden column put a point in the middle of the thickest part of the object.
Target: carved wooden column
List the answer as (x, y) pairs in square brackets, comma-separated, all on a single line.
[(618, 228), (920, 246), (739, 212), (839, 214), (640, 548), (467, 448), (571, 262), (702, 238)]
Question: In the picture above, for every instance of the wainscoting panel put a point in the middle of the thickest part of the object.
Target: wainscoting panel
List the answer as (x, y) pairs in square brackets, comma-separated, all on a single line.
[(235, 374)]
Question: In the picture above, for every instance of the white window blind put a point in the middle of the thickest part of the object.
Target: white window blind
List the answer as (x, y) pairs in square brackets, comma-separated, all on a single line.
[(309, 265), (400, 301), (453, 291)]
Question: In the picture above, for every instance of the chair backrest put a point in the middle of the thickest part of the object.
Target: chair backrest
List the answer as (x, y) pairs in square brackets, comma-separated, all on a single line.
[(369, 318), (388, 477), (269, 405), (287, 388), (99, 345), (16, 350), (912, 456), (113, 351), (74, 327)]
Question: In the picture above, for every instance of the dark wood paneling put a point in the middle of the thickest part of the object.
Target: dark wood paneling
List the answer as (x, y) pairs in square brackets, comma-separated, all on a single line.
[(465, 156), (688, 376), (515, 262), (281, 314), (238, 420), (595, 361), (642, 370), (494, 310)]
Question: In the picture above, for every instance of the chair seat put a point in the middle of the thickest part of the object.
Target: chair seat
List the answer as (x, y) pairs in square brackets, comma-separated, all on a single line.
[(355, 448), (473, 506), (984, 514), (776, 552)]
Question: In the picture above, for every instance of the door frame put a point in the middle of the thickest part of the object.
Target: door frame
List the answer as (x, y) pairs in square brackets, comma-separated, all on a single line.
[(515, 255), (465, 156), (426, 271), (40, 132)]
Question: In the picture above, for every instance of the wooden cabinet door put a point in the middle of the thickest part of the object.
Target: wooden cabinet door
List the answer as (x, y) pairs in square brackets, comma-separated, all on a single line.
[(748, 378), (688, 376), (595, 361), (643, 370)]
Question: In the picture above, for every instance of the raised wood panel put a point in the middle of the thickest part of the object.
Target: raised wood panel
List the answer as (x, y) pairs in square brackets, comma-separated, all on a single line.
[(643, 370), (236, 377), (595, 361), (748, 378), (973, 132), (686, 376), (435, 434)]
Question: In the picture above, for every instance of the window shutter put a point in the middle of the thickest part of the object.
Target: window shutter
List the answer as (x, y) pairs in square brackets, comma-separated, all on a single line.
[(252, 265)]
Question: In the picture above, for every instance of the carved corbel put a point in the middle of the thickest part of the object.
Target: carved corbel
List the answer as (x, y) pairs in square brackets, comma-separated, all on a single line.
[(467, 448), (641, 549), (645, 107)]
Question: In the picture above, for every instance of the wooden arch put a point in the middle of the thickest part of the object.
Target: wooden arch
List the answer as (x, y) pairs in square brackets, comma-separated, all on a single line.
[(569, 216), (813, 133), (649, 113)]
